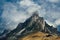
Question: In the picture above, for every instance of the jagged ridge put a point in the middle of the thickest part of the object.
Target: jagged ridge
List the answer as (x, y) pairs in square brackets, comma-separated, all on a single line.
[(32, 24)]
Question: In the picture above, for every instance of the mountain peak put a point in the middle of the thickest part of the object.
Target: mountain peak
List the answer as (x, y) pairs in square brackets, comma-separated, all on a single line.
[(32, 24), (35, 14), (35, 17)]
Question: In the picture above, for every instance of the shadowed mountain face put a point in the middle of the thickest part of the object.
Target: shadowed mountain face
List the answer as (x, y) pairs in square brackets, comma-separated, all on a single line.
[(32, 24)]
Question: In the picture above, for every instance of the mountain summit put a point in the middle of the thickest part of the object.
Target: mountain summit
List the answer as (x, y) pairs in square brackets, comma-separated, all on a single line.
[(31, 25), (36, 22)]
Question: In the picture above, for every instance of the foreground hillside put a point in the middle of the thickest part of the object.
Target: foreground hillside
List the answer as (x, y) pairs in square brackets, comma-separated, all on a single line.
[(40, 36)]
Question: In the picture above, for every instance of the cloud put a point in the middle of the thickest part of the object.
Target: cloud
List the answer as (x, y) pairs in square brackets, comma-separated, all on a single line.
[(12, 15), (53, 1), (57, 22), (15, 13), (26, 3), (31, 6)]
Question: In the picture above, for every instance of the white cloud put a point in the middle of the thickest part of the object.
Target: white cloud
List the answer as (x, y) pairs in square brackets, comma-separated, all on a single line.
[(53, 1), (26, 3), (12, 15), (31, 6), (10, 12), (57, 22)]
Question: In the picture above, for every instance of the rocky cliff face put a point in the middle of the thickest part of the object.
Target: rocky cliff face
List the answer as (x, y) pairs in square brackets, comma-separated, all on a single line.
[(32, 24)]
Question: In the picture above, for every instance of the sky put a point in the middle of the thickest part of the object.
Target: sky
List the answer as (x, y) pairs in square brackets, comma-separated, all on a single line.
[(13, 12)]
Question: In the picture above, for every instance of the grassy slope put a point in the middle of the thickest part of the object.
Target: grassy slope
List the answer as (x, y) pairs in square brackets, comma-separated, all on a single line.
[(39, 36)]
